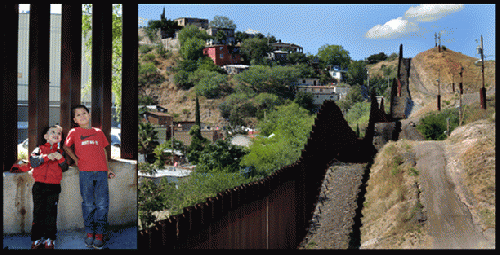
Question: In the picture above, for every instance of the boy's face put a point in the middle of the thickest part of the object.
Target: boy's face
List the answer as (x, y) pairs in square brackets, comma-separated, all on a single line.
[(82, 117), (54, 135)]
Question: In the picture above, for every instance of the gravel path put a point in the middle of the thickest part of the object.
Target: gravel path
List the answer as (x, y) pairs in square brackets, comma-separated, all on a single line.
[(333, 218)]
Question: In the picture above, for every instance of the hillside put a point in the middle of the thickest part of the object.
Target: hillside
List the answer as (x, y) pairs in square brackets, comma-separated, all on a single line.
[(428, 65), (415, 185), (179, 102)]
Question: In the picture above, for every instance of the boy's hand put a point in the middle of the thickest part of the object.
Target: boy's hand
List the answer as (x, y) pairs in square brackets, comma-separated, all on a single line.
[(111, 175), (57, 155), (50, 156)]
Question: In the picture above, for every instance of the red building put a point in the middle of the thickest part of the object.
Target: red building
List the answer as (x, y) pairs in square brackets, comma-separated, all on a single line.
[(223, 54)]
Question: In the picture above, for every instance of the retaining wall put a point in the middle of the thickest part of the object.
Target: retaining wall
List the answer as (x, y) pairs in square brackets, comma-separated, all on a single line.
[(18, 199)]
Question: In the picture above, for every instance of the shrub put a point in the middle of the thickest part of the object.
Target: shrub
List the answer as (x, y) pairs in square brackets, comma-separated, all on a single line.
[(211, 86), (433, 125)]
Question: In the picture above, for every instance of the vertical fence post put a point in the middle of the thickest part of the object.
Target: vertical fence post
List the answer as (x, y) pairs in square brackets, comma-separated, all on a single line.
[(71, 49), (101, 68), (129, 111), (38, 81)]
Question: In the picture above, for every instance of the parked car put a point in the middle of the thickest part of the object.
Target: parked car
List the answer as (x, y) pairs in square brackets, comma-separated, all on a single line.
[(22, 149)]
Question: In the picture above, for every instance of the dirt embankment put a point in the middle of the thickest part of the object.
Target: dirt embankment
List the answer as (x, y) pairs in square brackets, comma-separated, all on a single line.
[(433, 194)]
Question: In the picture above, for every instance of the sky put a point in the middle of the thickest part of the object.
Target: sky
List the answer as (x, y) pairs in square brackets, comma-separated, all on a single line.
[(362, 30)]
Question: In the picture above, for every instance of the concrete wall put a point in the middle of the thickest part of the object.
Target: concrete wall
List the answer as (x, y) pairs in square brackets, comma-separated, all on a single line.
[(18, 200)]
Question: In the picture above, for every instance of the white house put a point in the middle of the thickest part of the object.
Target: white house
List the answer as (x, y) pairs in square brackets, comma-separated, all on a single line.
[(308, 81), (320, 93), (337, 73)]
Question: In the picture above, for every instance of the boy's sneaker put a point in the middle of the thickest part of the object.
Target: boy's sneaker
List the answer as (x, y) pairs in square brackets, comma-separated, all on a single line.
[(37, 245), (89, 240), (49, 244), (98, 241)]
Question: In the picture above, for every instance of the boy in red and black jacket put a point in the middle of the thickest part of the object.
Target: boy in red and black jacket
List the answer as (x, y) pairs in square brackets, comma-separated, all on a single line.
[(48, 163)]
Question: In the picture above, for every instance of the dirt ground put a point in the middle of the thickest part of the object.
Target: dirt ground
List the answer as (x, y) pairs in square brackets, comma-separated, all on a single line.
[(450, 223)]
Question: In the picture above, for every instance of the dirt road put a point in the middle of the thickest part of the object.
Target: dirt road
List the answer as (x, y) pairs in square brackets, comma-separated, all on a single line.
[(449, 222)]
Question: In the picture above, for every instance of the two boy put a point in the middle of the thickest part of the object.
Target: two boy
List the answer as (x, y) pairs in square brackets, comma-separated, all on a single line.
[(91, 158)]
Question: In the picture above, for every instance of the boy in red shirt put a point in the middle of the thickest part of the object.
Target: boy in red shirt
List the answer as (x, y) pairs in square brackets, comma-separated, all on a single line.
[(48, 163), (91, 158)]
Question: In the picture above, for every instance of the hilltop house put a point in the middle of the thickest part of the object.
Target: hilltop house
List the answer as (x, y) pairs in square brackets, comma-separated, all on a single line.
[(229, 34), (281, 50), (223, 54), (201, 23)]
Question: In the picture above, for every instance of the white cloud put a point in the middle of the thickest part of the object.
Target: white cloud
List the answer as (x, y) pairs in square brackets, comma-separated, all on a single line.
[(408, 24), (392, 29), (431, 12)]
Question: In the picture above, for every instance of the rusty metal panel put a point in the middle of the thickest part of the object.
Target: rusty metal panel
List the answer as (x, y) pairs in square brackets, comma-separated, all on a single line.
[(71, 49), (101, 69), (128, 147), (9, 83), (38, 82)]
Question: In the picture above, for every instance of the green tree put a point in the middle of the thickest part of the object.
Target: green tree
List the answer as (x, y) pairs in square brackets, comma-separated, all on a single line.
[(198, 143), (211, 87), (255, 50), (147, 73), (192, 49), (236, 108), (198, 117), (330, 55), (220, 157), (305, 100), (222, 22), (190, 32), (167, 26), (277, 79), (359, 113), (375, 58), (357, 72), (291, 125), (353, 96), (148, 139), (151, 198)]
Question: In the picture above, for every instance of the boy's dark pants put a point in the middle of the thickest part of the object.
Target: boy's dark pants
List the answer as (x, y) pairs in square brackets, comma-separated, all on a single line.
[(45, 197)]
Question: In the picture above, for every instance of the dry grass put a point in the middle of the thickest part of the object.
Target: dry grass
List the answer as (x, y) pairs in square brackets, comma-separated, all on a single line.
[(392, 207), (479, 175)]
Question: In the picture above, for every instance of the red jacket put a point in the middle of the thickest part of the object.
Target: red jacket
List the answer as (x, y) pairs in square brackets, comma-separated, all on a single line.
[(44, 169)]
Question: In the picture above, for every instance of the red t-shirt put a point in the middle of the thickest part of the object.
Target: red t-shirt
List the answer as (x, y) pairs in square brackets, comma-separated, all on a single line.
[(89, 148)]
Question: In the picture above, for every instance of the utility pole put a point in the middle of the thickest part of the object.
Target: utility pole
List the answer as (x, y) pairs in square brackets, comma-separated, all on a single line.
[(439, 38), (439, 91), (482, 91), (460, 98)]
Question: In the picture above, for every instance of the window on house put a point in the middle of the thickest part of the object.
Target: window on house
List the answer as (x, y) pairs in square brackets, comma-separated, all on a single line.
[(221, 55)]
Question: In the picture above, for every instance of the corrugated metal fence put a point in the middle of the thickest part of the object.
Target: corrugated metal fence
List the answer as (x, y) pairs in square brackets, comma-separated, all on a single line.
[(267, 214)]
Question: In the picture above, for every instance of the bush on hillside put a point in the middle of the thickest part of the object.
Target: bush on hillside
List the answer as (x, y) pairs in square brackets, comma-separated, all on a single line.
[(433, 125)]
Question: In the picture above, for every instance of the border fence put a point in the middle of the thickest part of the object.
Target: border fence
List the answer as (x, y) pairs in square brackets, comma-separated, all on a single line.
[(271, 213)]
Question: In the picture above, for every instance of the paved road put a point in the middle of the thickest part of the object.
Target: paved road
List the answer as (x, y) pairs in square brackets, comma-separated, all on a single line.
[(449, 221)]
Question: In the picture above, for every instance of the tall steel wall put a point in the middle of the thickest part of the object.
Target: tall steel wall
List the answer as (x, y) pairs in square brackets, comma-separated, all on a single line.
[(270, 213)]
